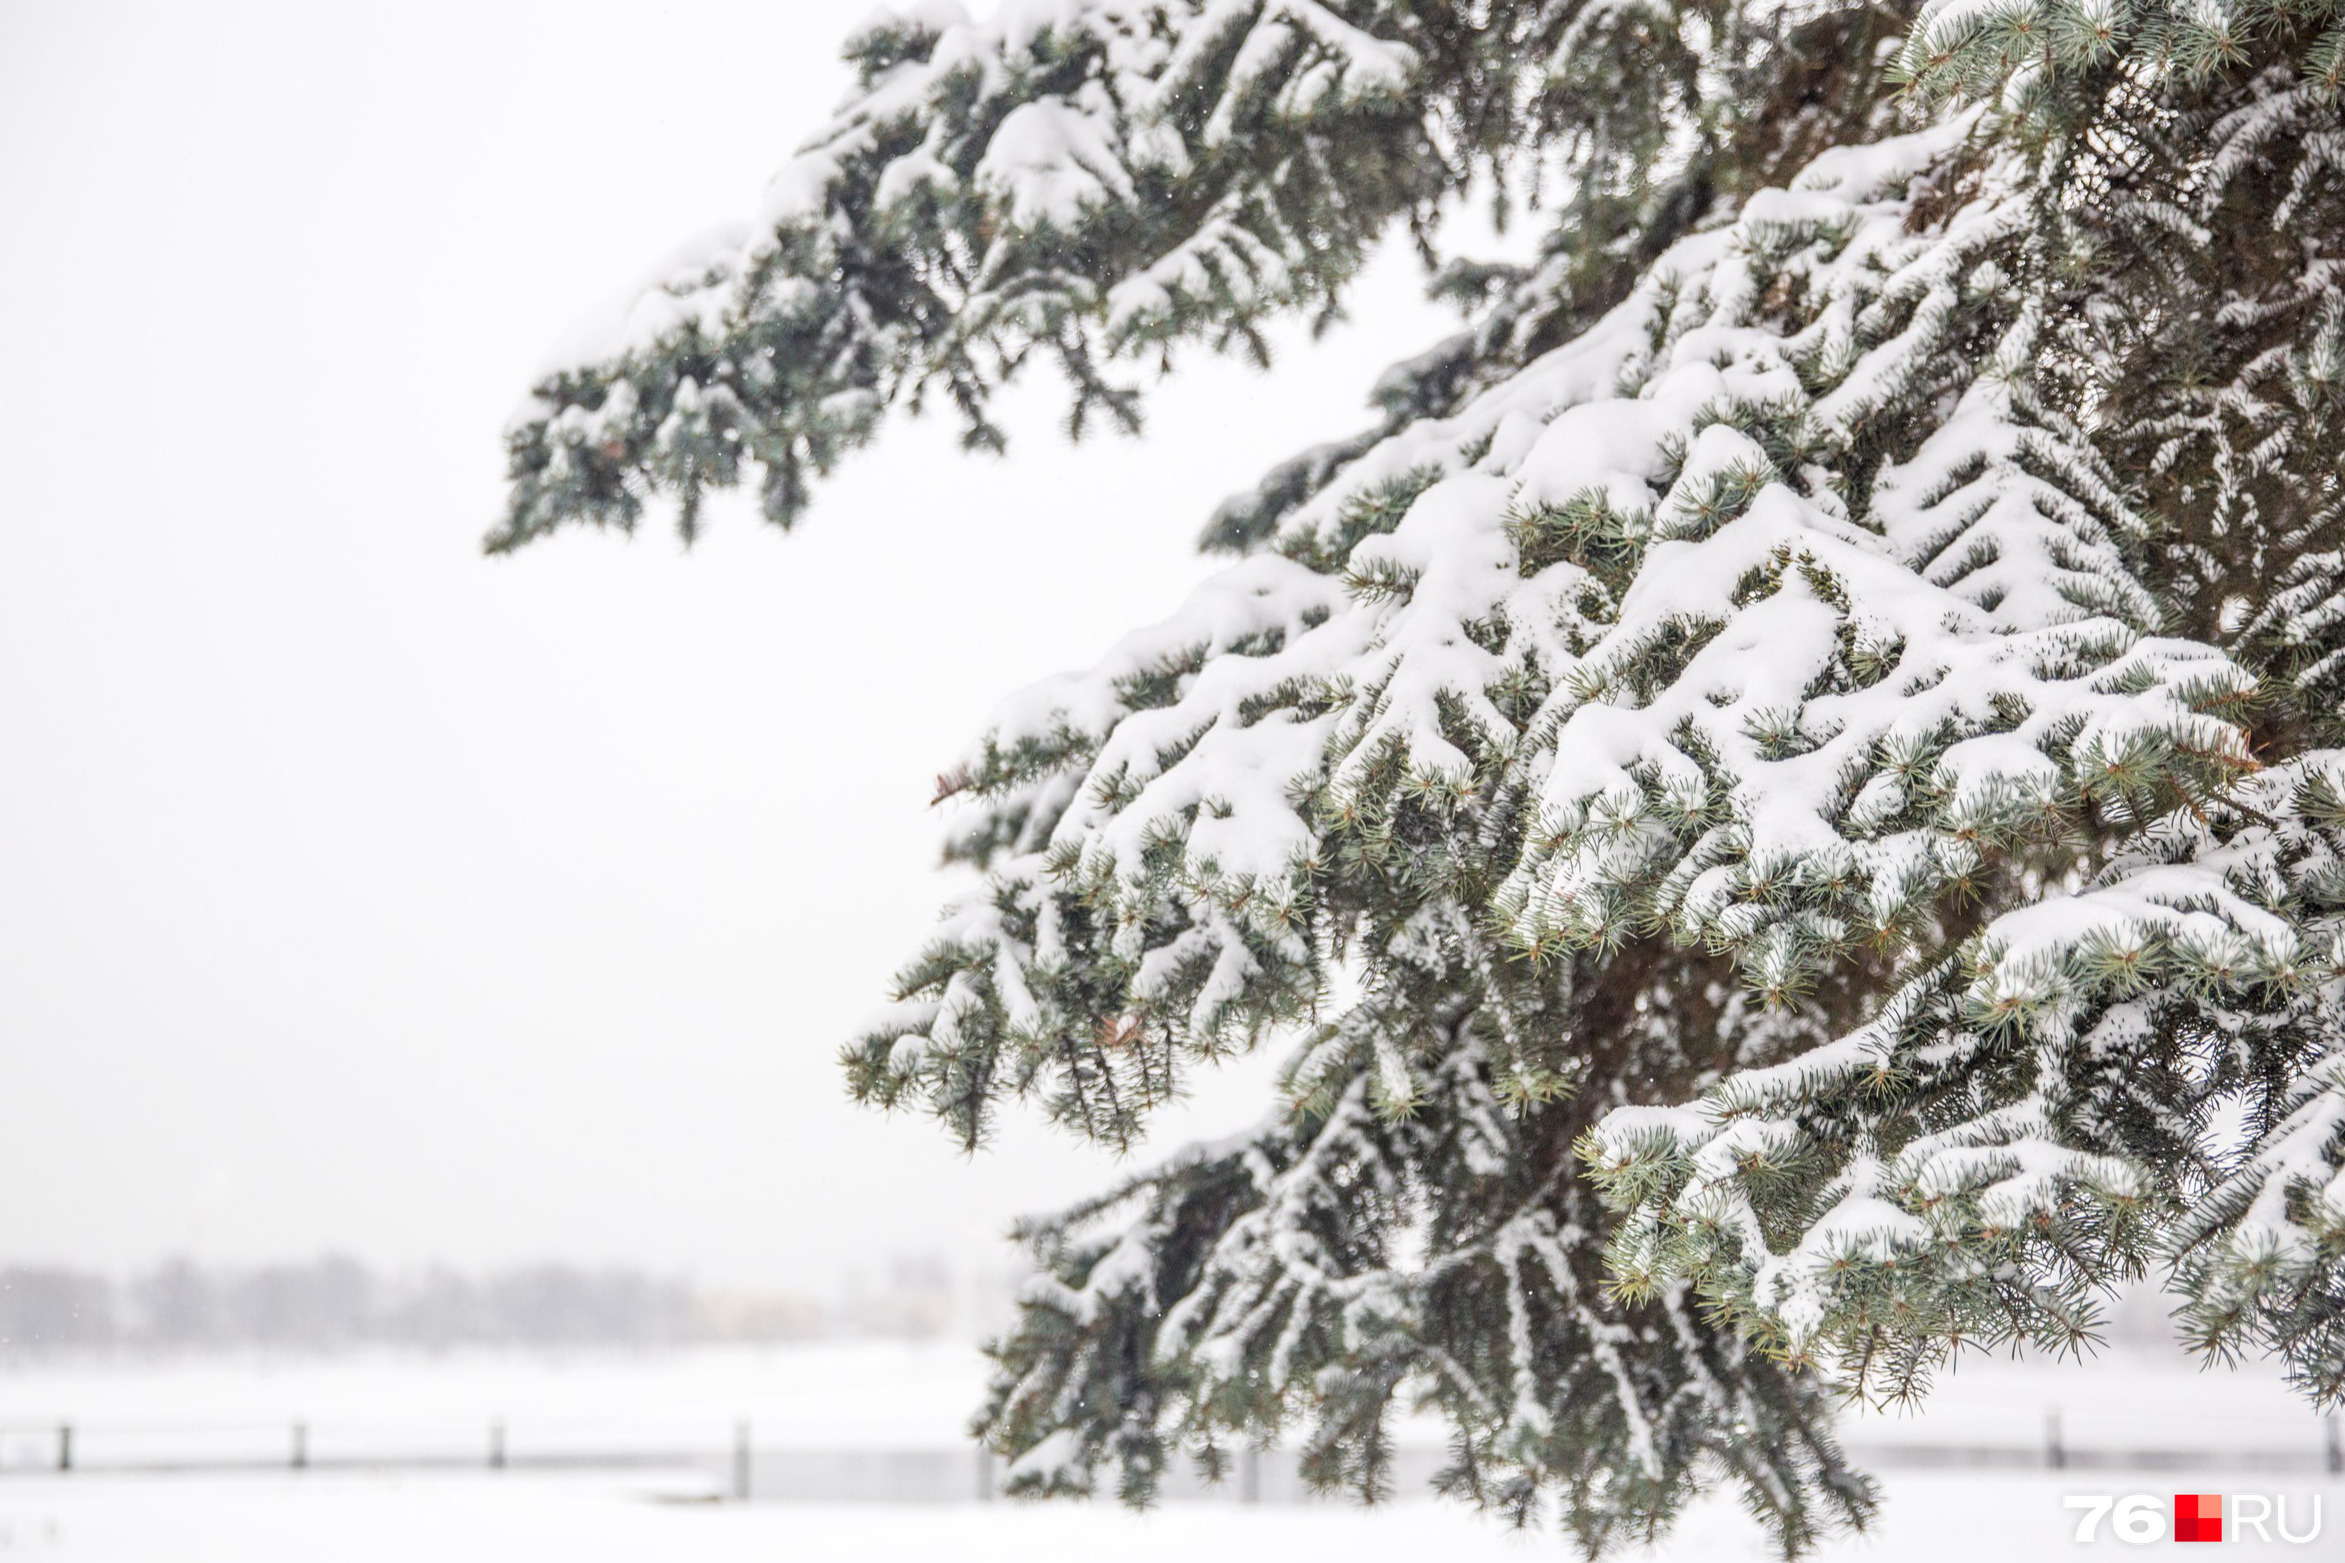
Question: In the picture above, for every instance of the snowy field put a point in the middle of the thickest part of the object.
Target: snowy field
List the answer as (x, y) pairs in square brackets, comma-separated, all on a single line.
[(2128, 1424), (530, 1519), (535, 1519)]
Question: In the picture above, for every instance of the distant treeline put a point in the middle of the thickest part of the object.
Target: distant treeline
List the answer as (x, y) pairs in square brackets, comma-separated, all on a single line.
[(333, 1303)]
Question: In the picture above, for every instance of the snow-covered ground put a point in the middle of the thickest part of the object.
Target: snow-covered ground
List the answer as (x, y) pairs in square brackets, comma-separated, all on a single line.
[(842, 1422), (2015, 1518)]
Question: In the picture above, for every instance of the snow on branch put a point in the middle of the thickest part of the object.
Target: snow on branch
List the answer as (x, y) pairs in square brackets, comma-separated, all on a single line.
[(1743, 681), (1068, 180), (2010, 1124)]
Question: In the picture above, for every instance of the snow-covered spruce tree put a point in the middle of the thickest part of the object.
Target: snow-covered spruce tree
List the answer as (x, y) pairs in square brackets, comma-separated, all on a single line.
[(1780, 800)]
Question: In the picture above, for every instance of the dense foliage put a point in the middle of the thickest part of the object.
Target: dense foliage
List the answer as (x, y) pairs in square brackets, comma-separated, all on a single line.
[(1782, 797)]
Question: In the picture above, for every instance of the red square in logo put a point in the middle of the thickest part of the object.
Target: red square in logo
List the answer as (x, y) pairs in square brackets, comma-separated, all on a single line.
[(2198, 1516)]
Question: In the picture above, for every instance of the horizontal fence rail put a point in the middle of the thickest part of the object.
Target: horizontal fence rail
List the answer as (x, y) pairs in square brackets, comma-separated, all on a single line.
[(737, 1468)]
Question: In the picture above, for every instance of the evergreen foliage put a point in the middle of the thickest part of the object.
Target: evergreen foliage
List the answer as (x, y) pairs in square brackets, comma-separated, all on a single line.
[(1784, 799)]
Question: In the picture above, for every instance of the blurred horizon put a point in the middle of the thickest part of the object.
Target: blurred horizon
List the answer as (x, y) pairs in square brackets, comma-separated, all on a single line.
[(333, 1303)]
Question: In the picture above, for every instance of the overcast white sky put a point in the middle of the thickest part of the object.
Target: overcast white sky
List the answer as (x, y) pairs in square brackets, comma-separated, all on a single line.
[(358, 892)]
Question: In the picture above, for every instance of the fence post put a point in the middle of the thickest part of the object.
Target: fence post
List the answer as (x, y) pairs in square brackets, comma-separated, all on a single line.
[(497, 1445), (2055, 1455), (741, 1462), (984, 1474), (2336, 1446), (65, 1446), (301, 1446), (1250, 1475)]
